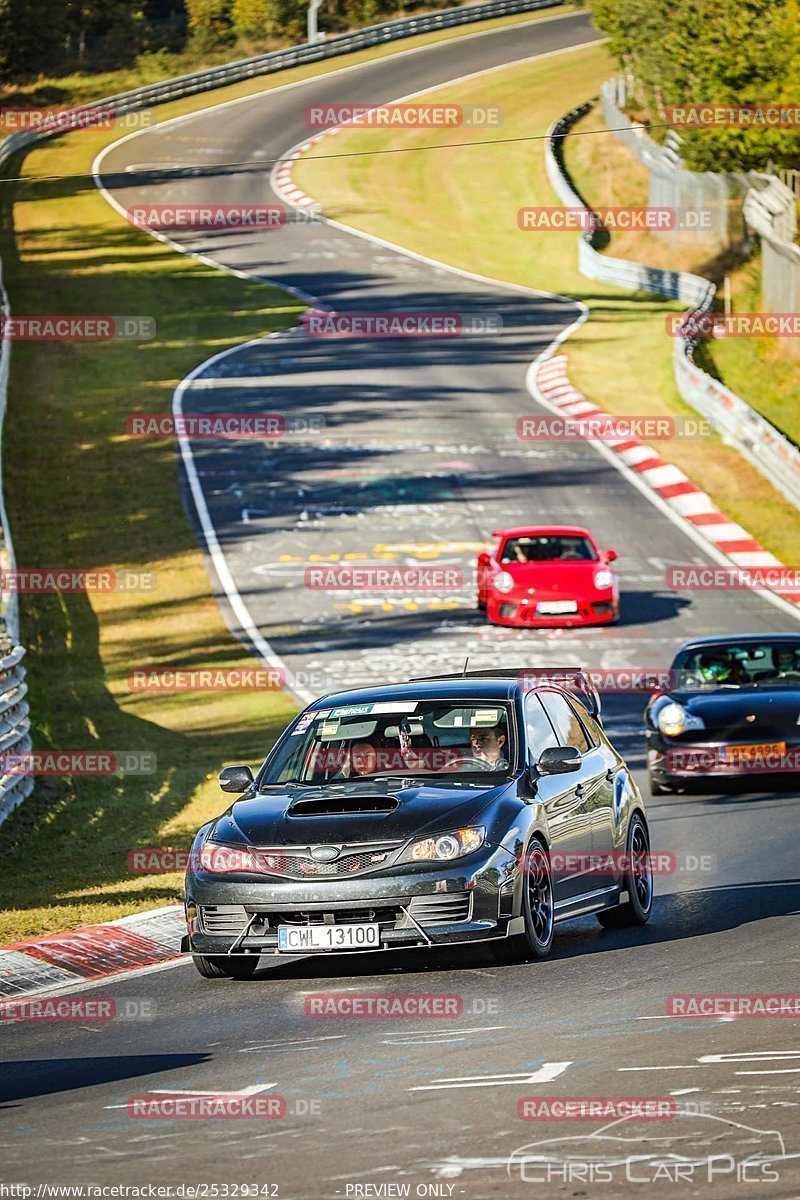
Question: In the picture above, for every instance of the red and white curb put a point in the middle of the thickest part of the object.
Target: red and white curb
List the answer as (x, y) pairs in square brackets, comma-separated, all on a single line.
[(685, 498), (93, 952), (281, 178)]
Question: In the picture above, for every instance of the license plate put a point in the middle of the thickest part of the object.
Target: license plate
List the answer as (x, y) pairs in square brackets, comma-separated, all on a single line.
[(737, 754), (304, 939), (556, 608)]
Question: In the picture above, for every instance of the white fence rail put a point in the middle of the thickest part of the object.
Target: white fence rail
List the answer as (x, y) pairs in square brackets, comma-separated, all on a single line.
[(770, 208), (752, 435), (709, 202)]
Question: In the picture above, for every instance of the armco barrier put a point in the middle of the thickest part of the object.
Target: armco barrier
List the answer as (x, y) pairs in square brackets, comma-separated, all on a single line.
[(14, 730), (14, 723), (751, 434)]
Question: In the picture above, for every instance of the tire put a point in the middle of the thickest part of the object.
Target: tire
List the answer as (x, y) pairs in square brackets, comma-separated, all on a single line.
[(538, 910), (481, 605), (638, 882), (660, 789), (219, 966)]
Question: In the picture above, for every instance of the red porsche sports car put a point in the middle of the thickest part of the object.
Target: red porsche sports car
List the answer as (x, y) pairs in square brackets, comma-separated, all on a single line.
[(544, 575)]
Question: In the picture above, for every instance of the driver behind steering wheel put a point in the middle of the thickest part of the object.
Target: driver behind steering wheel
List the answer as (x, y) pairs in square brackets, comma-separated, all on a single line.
[(488, 744), (785, 662)]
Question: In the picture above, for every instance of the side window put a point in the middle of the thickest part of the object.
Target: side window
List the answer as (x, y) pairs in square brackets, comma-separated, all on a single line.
[(591, 727), (537, 727), (565, 721)]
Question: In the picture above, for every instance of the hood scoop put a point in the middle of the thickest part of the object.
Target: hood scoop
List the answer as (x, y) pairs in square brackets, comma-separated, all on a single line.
[(336, 806)]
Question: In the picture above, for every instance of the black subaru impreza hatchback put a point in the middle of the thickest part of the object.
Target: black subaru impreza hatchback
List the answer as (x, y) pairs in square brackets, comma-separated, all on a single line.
[(483, 807)]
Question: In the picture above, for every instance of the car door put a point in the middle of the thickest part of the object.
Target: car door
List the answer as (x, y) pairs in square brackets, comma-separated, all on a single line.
[(604, 814), (563, 799), (592, 786)]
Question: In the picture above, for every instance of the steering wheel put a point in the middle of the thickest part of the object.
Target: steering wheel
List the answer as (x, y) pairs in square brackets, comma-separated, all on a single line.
[(472, 761)]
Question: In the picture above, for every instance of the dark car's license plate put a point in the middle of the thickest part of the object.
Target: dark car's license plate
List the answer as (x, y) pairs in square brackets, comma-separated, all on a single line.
[(303, 939), (747, 754)]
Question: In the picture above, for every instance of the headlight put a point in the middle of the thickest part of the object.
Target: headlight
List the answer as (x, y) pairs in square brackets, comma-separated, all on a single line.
[(226, 860), (603, 579), (445, 846), (503, 582), (673, 719)]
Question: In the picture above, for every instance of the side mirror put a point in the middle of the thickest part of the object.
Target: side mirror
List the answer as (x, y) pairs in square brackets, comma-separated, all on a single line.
[(558, 760), (611, 556), (236, 779)]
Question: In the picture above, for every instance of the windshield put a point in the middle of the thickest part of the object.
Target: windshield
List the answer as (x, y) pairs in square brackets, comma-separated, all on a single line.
[(739, 664), (551, 548), (467, 740)]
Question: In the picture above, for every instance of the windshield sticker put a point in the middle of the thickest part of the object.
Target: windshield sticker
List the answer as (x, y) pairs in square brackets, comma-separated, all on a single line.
[(303, 723), (329, 729), (486, 716), (387, 706)]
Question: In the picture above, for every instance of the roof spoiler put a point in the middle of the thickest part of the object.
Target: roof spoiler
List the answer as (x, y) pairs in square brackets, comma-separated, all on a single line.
[(572, 679)]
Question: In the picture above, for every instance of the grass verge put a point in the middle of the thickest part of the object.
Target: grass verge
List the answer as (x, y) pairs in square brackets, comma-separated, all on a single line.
[(459, 205)]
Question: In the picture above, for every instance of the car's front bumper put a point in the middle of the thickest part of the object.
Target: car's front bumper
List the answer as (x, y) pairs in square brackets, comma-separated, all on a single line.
[(669, 761), (521, 611), (413, 906)]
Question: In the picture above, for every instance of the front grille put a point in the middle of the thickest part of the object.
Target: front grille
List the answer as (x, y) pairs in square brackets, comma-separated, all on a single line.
[(445, 908), (300, 865), (383, 914), (224, 920)]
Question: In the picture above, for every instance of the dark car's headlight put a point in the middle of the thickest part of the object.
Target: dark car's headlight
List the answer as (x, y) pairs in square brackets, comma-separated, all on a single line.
[(443, 847), (674, 719), (228, 860)]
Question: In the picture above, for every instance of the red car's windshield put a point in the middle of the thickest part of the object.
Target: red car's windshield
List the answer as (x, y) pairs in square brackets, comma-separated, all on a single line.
[(561, 547)]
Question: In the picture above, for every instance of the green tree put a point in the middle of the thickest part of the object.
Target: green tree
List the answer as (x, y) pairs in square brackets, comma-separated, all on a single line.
[(210, 23), (32, 35), (726, 52)]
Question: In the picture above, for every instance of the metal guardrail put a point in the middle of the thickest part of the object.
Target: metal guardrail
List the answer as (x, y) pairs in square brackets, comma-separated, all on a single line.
[(14, 731), (777, 458), (14, 722)]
